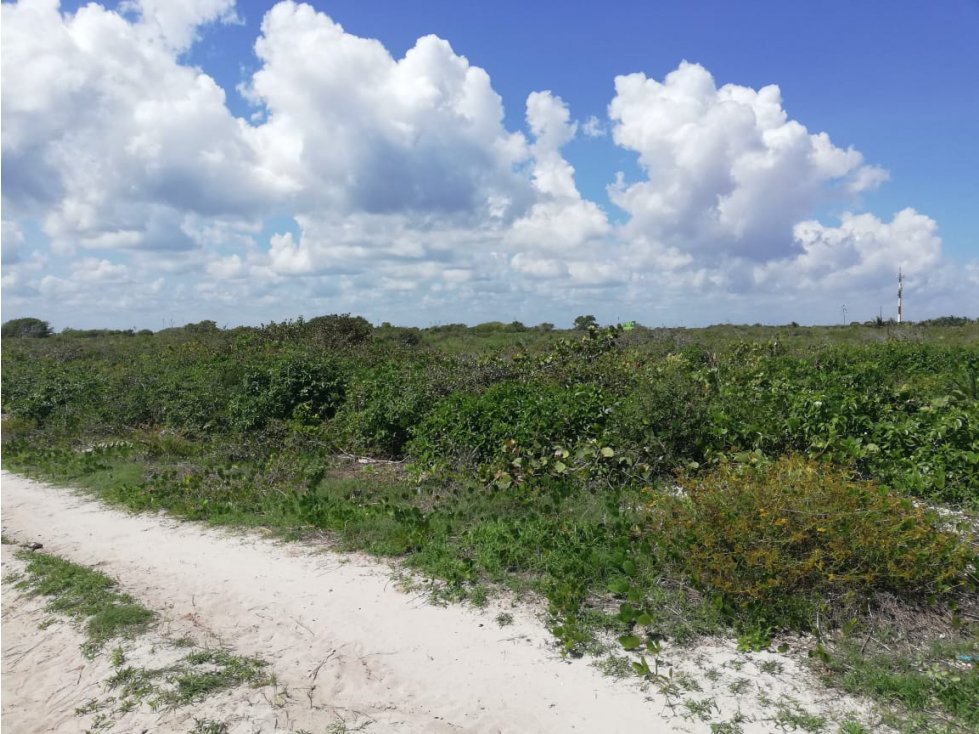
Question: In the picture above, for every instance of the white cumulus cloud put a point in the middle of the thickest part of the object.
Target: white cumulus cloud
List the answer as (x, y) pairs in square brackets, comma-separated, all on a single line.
[(177, 21), (352, 129), (108, 140), (861, 250), (727, 172), (561, 221)]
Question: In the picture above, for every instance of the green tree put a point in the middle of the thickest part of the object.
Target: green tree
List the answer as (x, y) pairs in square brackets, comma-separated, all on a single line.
[(29, 327), (338, 330), (583, 323)]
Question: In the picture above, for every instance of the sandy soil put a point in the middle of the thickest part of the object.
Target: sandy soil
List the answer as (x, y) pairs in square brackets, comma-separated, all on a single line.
[(349, 650)]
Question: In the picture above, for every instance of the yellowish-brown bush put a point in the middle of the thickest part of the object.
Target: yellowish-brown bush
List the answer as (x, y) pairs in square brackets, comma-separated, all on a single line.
[(770, 537)]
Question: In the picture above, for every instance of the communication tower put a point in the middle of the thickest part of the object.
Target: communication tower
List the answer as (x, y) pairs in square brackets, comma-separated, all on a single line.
[(900, 295)]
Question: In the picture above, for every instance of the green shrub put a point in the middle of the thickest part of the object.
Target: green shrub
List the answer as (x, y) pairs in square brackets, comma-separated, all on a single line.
[(51, 392), (383, 406), (664, 419), (929, 448), (475, 429), (185, 390), (288, 387), (339, 330), (773, 537), (17, 428)]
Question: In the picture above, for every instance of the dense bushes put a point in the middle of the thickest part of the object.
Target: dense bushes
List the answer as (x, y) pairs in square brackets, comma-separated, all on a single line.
[(893, 410), (906, 414), (580, 466), (27, 327), (655, 483), (664, 419), (48, 391), (384, 405), (290, 387), (472, 429)]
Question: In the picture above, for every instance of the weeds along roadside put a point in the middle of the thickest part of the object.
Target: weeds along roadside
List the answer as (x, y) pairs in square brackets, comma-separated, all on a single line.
[(628, 480)]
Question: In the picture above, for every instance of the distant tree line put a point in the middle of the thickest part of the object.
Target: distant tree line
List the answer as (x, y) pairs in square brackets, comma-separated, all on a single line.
[(340, 329)]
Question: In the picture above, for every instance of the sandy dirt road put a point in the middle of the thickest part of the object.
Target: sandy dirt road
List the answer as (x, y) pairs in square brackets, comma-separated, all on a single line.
[(344, 643)]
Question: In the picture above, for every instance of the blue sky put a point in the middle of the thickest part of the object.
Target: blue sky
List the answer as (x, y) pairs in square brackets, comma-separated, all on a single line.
[(438, 186)]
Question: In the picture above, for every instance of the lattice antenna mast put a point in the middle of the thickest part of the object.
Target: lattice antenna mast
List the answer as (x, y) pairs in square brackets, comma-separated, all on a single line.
[(900, 295)]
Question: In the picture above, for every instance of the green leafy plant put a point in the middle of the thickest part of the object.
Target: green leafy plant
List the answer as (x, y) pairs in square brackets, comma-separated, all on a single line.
[(294, 387), (754, 639), (483, 428)]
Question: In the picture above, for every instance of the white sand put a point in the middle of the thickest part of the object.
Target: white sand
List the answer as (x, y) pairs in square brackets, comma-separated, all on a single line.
[(344, 643)]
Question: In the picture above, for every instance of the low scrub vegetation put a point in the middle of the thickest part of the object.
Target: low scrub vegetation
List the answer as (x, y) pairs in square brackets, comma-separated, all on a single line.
[(780, 540), (649, 484)]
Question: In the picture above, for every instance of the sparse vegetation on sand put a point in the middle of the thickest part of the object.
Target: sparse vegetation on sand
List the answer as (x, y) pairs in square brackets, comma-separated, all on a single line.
[(168, 674), (649, 484), (86, 596)]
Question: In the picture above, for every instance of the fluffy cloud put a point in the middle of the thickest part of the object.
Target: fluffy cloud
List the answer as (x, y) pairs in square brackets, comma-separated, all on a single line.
[(561, 222), (177, 21), (351, 129), (94, 270), (394, 156), (107, 138), (727, 171), (861, 249), (593, 128)]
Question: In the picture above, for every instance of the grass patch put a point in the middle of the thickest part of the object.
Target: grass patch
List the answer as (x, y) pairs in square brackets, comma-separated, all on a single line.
[(205, 672), (86, 596), (616, 666), (188, 681), (702, 709), (790, 716), (209, 726), (727, 727), (921, 683)]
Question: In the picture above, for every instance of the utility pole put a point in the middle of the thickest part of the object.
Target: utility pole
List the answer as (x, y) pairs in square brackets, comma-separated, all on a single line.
[(844, 314), (900, 294)]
